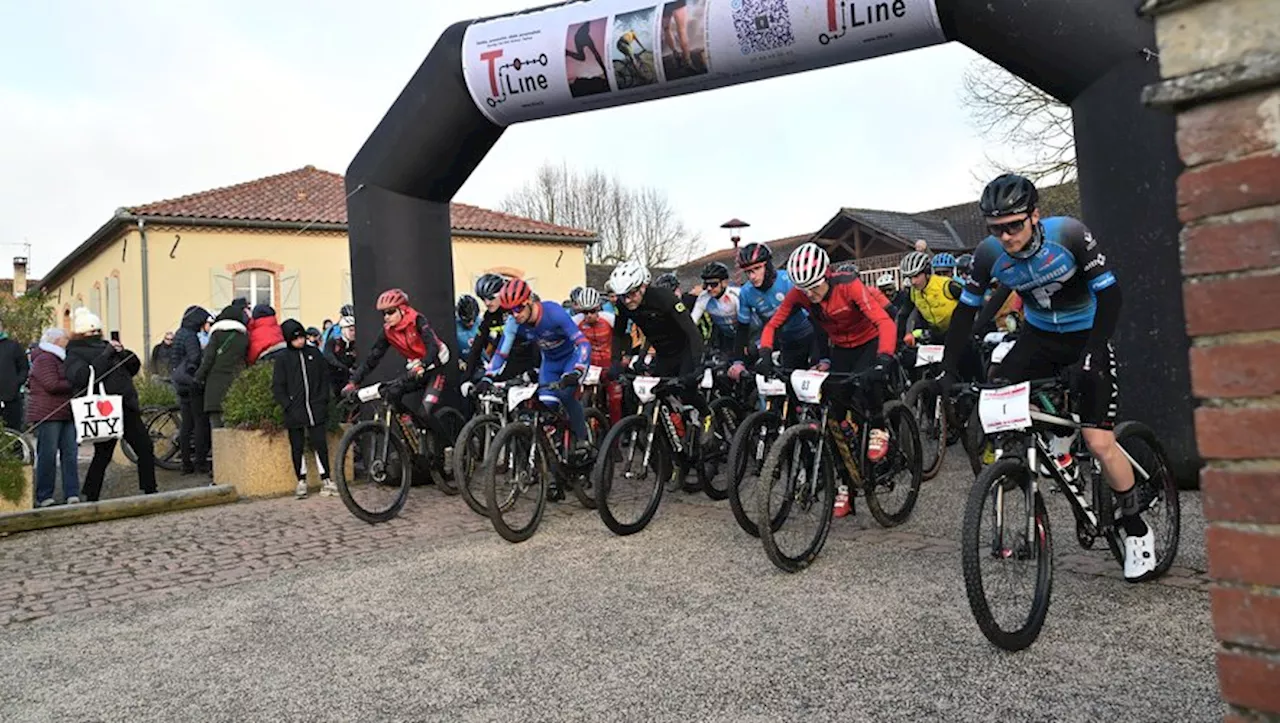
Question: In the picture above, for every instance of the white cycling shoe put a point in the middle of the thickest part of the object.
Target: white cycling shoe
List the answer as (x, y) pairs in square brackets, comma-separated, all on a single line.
[(1139, 556)]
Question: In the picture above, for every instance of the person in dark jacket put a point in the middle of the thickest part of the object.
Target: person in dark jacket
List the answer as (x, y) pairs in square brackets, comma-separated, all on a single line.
[(300, 385), (14, 368), (224, 359), (193, 435), (162, 358), (340, 353), (49, 412), (113, 368), (266, 341)]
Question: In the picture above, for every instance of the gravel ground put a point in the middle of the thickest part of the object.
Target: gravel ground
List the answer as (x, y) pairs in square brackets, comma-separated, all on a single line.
[(685, 621)]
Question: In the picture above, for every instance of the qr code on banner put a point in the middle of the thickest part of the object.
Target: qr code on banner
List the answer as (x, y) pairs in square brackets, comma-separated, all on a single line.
[(762, 25)]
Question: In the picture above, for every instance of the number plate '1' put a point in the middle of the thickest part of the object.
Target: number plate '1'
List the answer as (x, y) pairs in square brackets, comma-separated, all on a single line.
[(1006, 408), (519, 395)]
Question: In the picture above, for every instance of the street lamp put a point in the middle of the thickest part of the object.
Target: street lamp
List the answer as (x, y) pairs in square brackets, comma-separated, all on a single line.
[(733, 225)]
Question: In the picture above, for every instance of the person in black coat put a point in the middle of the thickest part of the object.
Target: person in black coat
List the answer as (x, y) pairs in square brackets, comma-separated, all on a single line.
[(300, 385), (14, 369), (113, 368), (193, 435)]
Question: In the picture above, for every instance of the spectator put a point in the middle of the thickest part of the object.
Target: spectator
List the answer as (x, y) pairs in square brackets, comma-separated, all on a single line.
[(325, 327), (114, 368), (14, 369), (49, 412), (193, 435), (266, 341), (299, 387), (313, 336), (223, 360), (922, 245), (162, 358)]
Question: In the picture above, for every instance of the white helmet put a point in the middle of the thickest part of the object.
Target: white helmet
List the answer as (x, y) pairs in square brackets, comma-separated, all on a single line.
[(346, 322), (588, 298), (627, 277), (884, 280), (807, 265), (914, 263)]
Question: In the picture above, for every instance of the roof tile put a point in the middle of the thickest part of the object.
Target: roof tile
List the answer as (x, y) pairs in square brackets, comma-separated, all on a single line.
[(312, 195)]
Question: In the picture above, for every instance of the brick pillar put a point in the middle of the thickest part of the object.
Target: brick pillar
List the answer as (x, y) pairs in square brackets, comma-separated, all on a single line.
[(1220, 60)]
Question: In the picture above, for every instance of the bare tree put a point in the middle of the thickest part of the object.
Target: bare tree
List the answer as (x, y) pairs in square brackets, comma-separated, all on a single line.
[(1008, 110), (633, 223)]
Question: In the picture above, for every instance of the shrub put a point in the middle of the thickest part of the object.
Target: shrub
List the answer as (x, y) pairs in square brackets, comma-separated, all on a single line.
[(12, 480), (154, 393), (249, 403)]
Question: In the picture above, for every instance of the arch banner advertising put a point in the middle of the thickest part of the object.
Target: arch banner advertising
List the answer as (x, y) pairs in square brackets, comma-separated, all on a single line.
[(599, 53)]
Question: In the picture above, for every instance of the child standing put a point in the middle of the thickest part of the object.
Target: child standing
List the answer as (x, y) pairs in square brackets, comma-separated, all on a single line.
[(300, 384)]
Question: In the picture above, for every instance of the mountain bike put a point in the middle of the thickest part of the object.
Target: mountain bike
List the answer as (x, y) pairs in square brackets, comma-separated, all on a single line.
[(530, 459), (800, 473), (750, 448), (1036, 436)]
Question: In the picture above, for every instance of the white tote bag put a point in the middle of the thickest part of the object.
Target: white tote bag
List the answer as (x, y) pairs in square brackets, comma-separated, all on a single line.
[(99, 417)]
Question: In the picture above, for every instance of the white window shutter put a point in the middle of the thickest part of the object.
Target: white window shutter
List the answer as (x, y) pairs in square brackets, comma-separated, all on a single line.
[(113, 304), (221, 288), (347, 296), (291, 295)]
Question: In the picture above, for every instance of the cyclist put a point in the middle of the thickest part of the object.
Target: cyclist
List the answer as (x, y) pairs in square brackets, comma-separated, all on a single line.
[(626, 43), (964, 268), (885, 284), (719, 302), (860, 334), (944, 264), (465, 326), (597, 326), (667, 327), (410, 334), (1071, 301), (340, 353), (565, 352), (766, 288), (522, 357), (335, 331)]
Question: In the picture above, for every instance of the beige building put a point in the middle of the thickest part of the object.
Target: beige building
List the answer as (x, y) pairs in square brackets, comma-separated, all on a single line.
[(280, 240)]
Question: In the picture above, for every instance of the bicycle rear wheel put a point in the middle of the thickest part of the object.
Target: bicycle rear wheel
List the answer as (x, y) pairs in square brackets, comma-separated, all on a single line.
[(22, 445), (1003, 546), (163, 430), (925, 400), (790, 493), (381, 472), (1157, 493), (712, 468)]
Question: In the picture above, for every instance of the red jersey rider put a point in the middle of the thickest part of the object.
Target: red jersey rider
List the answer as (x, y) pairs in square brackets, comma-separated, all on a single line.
[(597, 326)]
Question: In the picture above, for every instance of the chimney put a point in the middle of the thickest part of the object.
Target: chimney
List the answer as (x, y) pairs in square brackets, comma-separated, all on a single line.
[(19, 276)]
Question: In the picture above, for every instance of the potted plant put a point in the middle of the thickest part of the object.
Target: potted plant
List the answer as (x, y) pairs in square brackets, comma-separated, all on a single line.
[(17, 489), (251, 453)]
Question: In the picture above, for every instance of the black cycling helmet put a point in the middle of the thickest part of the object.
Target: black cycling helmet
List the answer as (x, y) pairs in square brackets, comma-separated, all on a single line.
[(752, 254), (488, 286), (468, 309), (668, 281), (964, 264), (715, 270), (312, 331), (1008, 195)]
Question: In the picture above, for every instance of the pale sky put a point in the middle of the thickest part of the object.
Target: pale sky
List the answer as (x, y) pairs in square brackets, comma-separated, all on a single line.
[(105, 105)]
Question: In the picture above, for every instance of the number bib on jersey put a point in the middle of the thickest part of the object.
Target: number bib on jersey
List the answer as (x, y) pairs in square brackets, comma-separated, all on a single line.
[(592, 377), (929, 354), (643, 387), (770, 387), (1006, 408), (808, 385), (519, 395)]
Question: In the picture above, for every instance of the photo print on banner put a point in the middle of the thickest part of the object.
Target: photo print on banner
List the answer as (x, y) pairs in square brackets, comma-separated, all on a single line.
[(684, 39), (633, 62), (584, 64)]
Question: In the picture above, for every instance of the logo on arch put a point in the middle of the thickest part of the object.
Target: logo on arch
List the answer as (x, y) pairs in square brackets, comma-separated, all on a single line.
[(515, 76)]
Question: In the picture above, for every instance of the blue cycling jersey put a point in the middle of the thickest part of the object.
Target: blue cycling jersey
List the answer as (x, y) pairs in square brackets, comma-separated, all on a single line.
[(562, 343), (1057, 284), (757, 306), (466, 337)]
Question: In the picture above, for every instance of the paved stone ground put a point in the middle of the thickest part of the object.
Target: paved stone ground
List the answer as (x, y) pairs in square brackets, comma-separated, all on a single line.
[(295, 610)]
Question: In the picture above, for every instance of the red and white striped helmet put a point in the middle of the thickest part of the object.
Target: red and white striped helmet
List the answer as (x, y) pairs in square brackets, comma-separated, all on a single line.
[(807, 265)]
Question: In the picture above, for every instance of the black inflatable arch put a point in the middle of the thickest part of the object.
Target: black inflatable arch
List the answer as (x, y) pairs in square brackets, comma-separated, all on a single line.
[(1095, 55)]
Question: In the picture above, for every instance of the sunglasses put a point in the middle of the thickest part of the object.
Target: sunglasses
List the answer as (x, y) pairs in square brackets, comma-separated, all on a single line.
[(390, 312), (519, 309), (1010, 228), (712, 283)]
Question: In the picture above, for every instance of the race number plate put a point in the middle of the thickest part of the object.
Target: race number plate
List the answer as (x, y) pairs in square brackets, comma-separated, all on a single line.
[(519, 395), (770, 387), (929, 354), (644, 387), (808, 385), (368, 394), (1006, 408), (592, 378)]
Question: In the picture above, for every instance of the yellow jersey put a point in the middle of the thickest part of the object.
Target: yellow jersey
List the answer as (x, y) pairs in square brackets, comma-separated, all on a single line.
[(935, 303)]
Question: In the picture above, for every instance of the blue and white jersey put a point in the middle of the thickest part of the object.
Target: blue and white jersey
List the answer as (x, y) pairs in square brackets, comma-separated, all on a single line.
[(723, 311), (1057, 284), (757, 306)]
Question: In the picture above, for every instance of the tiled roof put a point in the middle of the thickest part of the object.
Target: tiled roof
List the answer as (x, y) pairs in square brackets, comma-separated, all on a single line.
[(907, 227), (688, 272), (310, 195)]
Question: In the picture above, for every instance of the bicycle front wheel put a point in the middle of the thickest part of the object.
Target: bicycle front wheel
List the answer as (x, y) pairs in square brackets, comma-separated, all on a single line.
[(712, 463), (377, 485), (1003, 555), (627, 490), (747, 455), (468, 456), (926, 401), (797, 489), (515, 482)]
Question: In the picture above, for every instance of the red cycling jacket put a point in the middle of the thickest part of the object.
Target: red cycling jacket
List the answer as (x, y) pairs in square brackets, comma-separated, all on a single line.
[(850, 315), (600, 336)]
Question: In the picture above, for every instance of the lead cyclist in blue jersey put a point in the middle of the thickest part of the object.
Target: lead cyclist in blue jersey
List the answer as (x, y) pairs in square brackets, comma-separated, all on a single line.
[(1071, 303), (760, 297), (720, 303), (565, 352)]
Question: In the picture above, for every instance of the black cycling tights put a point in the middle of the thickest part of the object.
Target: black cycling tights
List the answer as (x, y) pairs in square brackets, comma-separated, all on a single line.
[(298, 436)]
